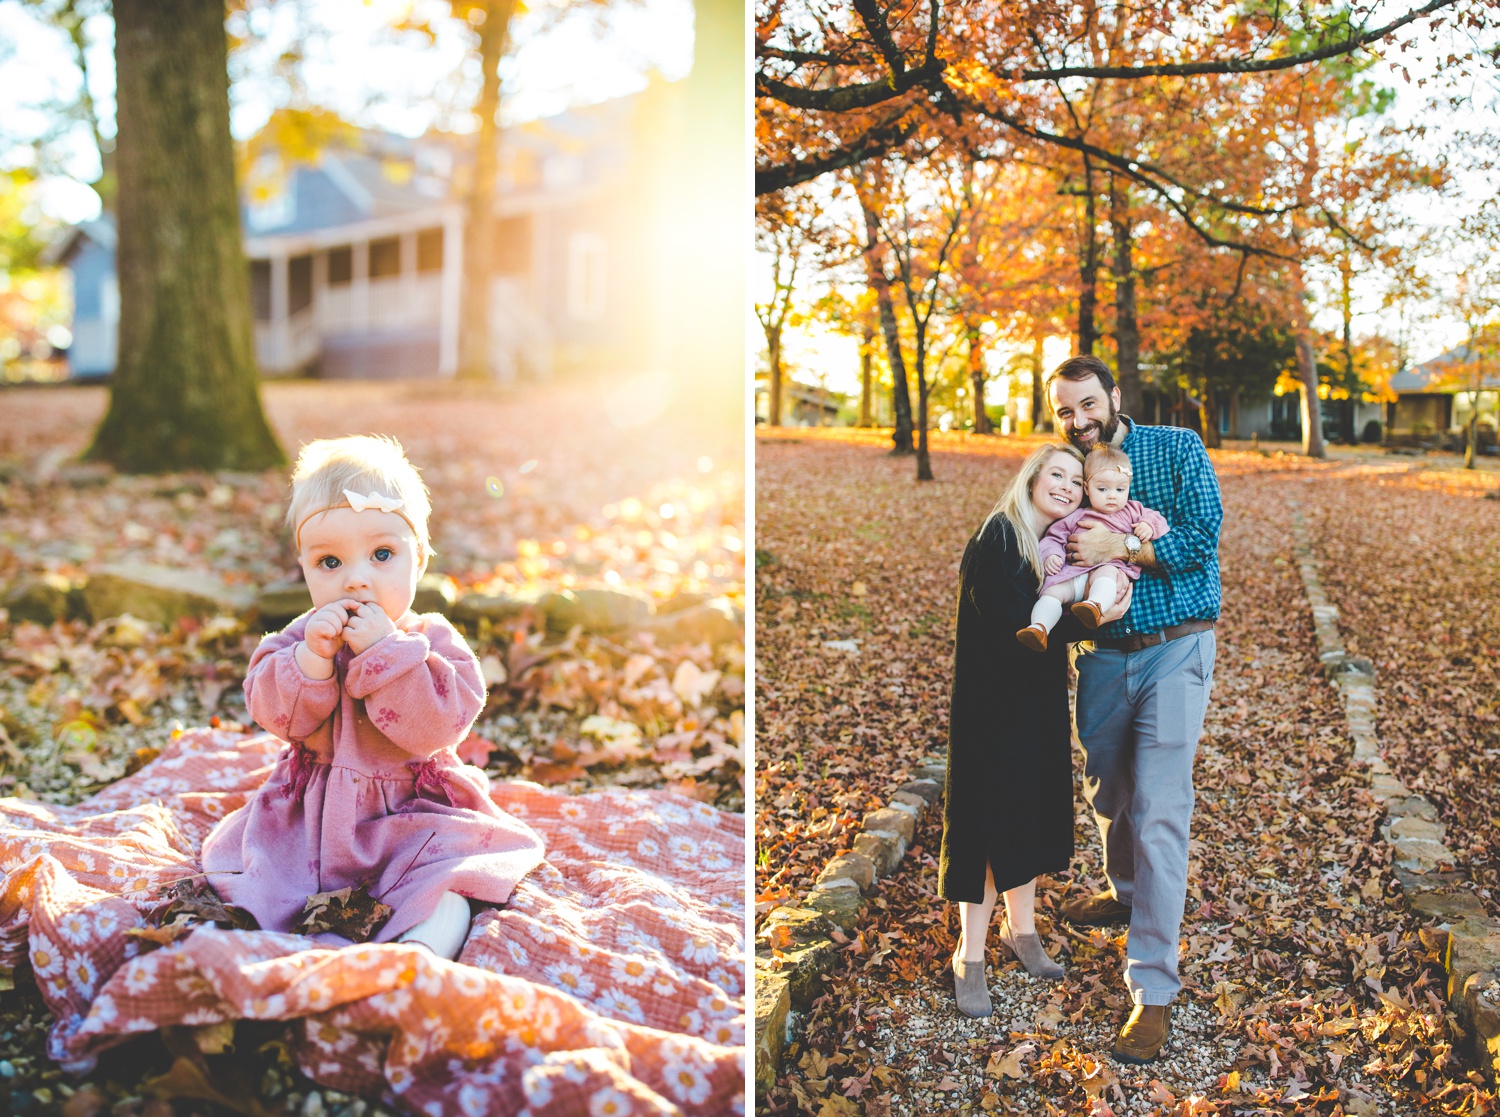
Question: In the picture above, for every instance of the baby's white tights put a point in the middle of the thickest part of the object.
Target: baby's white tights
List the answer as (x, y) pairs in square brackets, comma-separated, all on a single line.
[(1049, 606), (445, 930)]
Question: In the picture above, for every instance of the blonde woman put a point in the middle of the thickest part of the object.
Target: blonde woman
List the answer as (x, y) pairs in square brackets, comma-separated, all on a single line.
[(1008, 811)]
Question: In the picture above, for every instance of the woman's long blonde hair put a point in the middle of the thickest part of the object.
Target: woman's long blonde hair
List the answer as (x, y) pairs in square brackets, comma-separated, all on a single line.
[(1015, 503)]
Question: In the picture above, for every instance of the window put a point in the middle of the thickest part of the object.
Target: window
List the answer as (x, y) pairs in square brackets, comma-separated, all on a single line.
[(340, 266), (385, 257), (586, 277), (299, 283), (430, 250)]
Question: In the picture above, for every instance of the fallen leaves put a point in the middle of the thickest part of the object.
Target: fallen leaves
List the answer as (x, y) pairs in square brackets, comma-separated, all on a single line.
[(350, 912), (1292, 903)]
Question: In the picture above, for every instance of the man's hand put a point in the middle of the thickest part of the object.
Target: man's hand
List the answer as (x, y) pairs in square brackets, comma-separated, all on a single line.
[(1093, 544), (1122, 601), (1053, 564), (1143, 532), (367, 625)]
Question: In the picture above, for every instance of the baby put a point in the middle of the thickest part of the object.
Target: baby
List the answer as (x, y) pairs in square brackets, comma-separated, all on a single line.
[(1091, 590), (371, 698)]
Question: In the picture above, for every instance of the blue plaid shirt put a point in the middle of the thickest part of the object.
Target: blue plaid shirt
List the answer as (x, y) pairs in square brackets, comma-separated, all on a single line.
[(1172, 474)]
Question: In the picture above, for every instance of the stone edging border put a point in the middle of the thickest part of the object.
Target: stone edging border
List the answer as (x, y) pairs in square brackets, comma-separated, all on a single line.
[(796, 944), (1472, 955)]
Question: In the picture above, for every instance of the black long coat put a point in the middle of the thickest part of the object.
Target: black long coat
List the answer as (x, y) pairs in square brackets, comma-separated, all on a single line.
[(1010, 784)]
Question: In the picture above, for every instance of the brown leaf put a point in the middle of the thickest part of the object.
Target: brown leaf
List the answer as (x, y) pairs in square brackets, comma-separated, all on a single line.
[(188, 1079), (349, 912), (195, 899)]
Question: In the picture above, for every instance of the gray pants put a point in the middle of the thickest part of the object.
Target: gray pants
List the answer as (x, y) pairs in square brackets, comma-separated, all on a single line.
[(1139, 718)]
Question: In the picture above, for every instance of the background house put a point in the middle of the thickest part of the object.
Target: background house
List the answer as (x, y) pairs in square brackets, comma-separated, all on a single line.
[(1435, 397), (356, 258)]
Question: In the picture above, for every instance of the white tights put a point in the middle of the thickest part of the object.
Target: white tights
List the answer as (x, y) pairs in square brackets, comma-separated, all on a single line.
[(1049, 606), (445, 930)]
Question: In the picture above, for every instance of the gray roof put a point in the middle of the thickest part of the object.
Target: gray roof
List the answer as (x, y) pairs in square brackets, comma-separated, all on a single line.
[(101, 231), (1429, 376)]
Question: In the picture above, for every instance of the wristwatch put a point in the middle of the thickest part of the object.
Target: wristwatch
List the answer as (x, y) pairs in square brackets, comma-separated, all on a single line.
[(1132, 547)]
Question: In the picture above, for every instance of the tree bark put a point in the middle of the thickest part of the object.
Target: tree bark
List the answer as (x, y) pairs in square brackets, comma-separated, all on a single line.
[(866, 374), (773, 393), (924, 463), (1041, 416), (186, 390), (901, 442), (1312, 412), (982, 424), (1127, 328), (479, 233), (1088, 270)]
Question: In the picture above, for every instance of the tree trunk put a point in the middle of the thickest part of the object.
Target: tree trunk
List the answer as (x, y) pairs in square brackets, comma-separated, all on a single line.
[(1471, 445), (1209, 415), (866, 374), (982, 424), (479, 233), (773, 394), (1312, 412), (1088, 271), (1127, 329), (924, 463), (875, 271), (186, 391), (1041, 415)]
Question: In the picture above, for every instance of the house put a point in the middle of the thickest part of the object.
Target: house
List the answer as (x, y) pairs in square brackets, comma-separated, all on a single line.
[(356, 259), (1435, 397), (802, 405)]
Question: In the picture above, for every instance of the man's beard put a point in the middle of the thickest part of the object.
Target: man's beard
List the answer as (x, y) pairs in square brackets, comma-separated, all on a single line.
[(1106, 430)]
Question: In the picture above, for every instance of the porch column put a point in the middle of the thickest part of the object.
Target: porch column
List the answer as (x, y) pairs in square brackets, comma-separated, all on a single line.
[(281, 334), (451, 299), (359, 286)]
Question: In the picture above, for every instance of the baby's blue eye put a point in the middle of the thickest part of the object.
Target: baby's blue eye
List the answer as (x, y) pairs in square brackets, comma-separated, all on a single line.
[(329, 562), (383, 554)]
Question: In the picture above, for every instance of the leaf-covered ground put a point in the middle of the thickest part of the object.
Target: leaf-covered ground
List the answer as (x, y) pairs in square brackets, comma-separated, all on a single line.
[(1307, 986), (532, 490)]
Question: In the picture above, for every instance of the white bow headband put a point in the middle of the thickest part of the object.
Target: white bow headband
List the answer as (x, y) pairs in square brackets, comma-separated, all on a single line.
[(359, 503)]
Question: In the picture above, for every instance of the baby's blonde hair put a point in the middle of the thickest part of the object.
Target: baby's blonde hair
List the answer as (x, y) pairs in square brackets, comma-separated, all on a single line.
[(1102, 459), (364, 464)]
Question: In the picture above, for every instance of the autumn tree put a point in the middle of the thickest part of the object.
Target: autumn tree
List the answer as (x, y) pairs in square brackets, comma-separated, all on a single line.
[(186, 392)]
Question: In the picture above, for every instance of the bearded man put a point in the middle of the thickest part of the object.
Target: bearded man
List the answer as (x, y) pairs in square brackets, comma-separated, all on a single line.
[(1143, 690)]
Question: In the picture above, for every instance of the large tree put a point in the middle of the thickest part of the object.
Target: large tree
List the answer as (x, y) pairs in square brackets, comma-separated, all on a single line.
[(186, 392)]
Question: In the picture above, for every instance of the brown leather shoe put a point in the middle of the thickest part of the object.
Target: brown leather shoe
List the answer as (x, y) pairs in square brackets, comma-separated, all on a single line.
[(1034, 636), (1088, 613), (1144, 1034), (1095, 910)]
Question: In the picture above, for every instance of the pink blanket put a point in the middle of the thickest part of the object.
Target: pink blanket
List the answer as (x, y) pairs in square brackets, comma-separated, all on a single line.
[(613, 981)]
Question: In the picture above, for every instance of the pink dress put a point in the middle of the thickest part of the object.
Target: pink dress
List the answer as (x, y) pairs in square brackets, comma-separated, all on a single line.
[(1055, 541), (369, 788)]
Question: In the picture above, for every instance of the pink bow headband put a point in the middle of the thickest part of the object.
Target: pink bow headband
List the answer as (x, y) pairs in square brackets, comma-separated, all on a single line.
[(359, 503)]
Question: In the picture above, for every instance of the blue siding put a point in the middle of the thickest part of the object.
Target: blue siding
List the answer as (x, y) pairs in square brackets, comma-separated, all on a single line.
[(91, 265)]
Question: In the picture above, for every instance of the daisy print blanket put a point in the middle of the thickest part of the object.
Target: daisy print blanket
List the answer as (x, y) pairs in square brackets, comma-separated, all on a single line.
[(613, 982)]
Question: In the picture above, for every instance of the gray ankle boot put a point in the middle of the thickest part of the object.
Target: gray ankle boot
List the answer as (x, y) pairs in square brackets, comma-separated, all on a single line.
[(969, 986), (1027, 949)]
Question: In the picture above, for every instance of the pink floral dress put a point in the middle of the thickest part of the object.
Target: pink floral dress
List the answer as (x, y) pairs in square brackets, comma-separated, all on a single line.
[(369, 789)]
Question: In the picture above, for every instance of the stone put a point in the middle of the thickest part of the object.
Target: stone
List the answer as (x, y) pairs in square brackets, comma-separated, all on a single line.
[(1473, 948), (839, 900), (1421, 855), (1414, 806), (682, 600), (595, 610), (714, 622), (1404, 827), (930, 791), (84, 475), (894, 819), (160, 594), (1446, 907), (907, 799), (800, 925), (936, 772), (850, 866), (773, 1002), (279, 602), (882, 847), (498, 609), (1384, 786), (1480, 1007), (41, 599), (435, 594)]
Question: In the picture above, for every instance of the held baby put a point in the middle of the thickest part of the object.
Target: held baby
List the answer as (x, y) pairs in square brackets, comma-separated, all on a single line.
[(1091, 590), (371, 699)]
